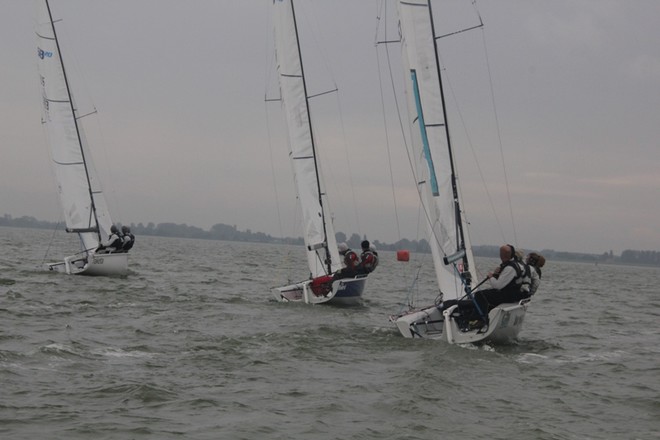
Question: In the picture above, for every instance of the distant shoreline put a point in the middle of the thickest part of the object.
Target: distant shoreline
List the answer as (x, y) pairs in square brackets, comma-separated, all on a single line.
[(225, 232)]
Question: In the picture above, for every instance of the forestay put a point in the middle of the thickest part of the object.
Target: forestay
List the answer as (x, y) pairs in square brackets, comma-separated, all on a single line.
[(436, 182), (318, 231), (83, 204)]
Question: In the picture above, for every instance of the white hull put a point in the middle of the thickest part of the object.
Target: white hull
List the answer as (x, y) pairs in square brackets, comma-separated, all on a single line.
[(505, 322), (346, 291), (94, 265)]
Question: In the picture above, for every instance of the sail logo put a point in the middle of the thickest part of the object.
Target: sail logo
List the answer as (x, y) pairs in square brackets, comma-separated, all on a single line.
[(43, 53)]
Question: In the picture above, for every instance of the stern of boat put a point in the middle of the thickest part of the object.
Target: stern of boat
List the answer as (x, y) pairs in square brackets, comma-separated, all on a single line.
[(424, 323), (504, 324), (346, 291)]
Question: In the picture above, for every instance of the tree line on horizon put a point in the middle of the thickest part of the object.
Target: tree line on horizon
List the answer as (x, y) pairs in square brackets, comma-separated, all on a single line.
[(225, 232)]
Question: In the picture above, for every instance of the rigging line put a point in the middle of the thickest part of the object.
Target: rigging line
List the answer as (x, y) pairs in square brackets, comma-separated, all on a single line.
[(413, 290), (474, 154), (424, 260), (348, 163), (410, 161), (272, 169), (398, 112), (309, 17), (52, 238), (336, 89), (387, 137), (73, 109), (88, 114), (407, 147), (268, 76), (117, 206), (499, 138), (83, 86), (317, 169)]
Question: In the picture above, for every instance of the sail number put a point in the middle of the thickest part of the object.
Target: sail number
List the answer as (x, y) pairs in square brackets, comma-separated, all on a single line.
[(43, 53)]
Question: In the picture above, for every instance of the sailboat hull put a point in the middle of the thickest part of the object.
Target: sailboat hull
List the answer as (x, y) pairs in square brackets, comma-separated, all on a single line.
[(346, 292), (93, 265), (505, 323)]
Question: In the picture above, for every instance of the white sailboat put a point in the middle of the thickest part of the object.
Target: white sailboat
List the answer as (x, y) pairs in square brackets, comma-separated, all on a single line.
[(322, 255), (438, 189), (81, 199)]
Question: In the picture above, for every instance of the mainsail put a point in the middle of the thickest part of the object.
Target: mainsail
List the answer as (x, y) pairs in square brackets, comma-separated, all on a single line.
[(431, 143), (318, 232), (83, 204)]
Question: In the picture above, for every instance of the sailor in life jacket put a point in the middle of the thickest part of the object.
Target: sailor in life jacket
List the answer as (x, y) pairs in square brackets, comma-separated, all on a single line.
[(510, 282), (368, 259), (113, 243), (351, 262), (129, 239), (535, 262), (376, 260)]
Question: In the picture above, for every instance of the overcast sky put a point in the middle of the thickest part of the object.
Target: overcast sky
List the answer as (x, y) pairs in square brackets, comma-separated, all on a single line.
[(183, 133)]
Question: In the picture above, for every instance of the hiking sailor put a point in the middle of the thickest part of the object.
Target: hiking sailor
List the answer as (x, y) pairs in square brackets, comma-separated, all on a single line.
[(351, 262), (535, 262), (112, 244), (129, 239), (510, 282), (368, 258)]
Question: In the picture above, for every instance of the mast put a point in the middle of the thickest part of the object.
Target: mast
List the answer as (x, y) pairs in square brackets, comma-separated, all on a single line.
[(459, 223), (75, 122), (328, 259)]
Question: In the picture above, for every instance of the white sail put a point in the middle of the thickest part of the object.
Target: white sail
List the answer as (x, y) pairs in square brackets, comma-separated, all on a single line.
[(318, 231), (431, 145), (81, 199)]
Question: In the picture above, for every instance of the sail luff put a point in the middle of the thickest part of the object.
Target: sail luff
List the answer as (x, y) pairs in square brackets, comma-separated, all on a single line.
[(461, 241), (71, 104), (318, 232), (79, 191), (436, 177)]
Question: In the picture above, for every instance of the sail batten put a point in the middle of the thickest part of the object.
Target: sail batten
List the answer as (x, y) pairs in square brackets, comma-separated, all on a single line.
[(64, 164)]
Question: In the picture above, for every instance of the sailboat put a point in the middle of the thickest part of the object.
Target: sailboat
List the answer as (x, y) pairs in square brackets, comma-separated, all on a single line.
[(319, 236), (438, 190), (81, 199)]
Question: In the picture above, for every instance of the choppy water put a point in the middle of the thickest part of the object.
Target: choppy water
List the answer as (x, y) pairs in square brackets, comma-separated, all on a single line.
[(191, 345)]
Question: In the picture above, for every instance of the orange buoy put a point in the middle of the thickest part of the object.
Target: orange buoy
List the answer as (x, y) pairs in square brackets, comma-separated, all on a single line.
[(402, 255)]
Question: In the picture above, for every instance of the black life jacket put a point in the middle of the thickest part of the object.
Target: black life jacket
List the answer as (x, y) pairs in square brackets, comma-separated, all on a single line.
[(129, 244), (117, 243), (522, 281)]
